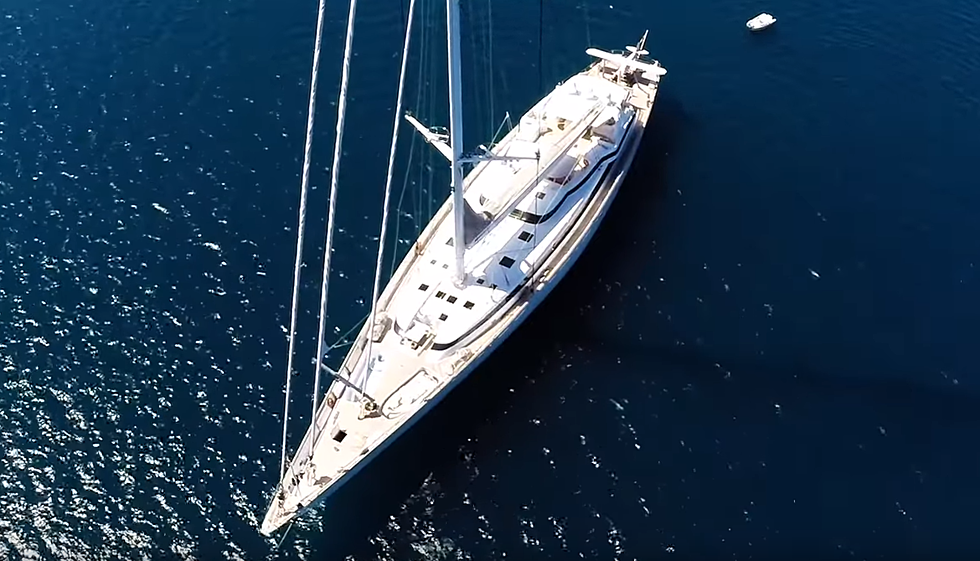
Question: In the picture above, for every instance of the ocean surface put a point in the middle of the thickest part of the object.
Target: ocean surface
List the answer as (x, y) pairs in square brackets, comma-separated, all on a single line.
[(768, 350)]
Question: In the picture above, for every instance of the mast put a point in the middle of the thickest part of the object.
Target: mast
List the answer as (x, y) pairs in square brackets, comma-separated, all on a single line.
[(456, 133)]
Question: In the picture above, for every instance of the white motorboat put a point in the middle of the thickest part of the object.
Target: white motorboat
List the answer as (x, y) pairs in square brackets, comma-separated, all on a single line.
[(760, 22)]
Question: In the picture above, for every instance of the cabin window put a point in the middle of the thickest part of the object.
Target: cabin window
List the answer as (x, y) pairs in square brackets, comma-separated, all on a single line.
[(443, 317), (449, 242), (340, 435), (525, 236), (468, 305), (541, 194), (440, 294), (451, 299), (423, 287), (507, 262), (480, 281)]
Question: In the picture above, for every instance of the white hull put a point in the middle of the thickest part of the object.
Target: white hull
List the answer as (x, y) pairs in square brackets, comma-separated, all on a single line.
[(425, 358), (760, 22)]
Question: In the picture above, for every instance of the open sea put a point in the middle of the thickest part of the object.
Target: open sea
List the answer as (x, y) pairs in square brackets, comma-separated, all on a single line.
[(768, 352)]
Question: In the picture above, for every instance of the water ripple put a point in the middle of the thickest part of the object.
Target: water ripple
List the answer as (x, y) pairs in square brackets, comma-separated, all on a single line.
[(149, 154)]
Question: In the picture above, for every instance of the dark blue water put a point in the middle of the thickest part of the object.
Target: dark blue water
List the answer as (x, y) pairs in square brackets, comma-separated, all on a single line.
[(767, 350)]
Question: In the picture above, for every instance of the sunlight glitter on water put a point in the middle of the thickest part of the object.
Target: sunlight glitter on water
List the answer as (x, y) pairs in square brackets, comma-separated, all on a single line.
[(149, 155)]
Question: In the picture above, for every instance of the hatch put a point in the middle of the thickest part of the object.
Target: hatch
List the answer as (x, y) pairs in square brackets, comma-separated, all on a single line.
[(406, 397)]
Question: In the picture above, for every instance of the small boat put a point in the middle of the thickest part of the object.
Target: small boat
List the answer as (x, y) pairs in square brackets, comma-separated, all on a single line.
[(760, 22)]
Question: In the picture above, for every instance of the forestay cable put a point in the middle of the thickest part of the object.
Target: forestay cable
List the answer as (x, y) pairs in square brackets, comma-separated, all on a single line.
[(331, 215), (490, 67), (391, 167), (301, 228)]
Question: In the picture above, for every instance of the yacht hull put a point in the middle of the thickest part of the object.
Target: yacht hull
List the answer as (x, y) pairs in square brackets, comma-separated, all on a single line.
[(349, 435)]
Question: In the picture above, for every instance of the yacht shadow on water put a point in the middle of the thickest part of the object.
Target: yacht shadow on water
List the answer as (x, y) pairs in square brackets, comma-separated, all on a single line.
[(580, 440), (412, 469), (577, 440)]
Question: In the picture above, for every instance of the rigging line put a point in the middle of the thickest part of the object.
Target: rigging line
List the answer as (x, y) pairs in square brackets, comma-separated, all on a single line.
[(301, 228), (341, 340), (420, 105), (540, 47), (493, 139), (399, 212), (424, 102), (471, 18), (490, 67), (475, 23), (430, 155), (391, 167), (331, 214), (417, 209), (537, 162), (286, 533)]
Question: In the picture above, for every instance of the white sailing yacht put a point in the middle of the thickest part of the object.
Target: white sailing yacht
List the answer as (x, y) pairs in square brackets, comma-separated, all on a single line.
[(511, 229)]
